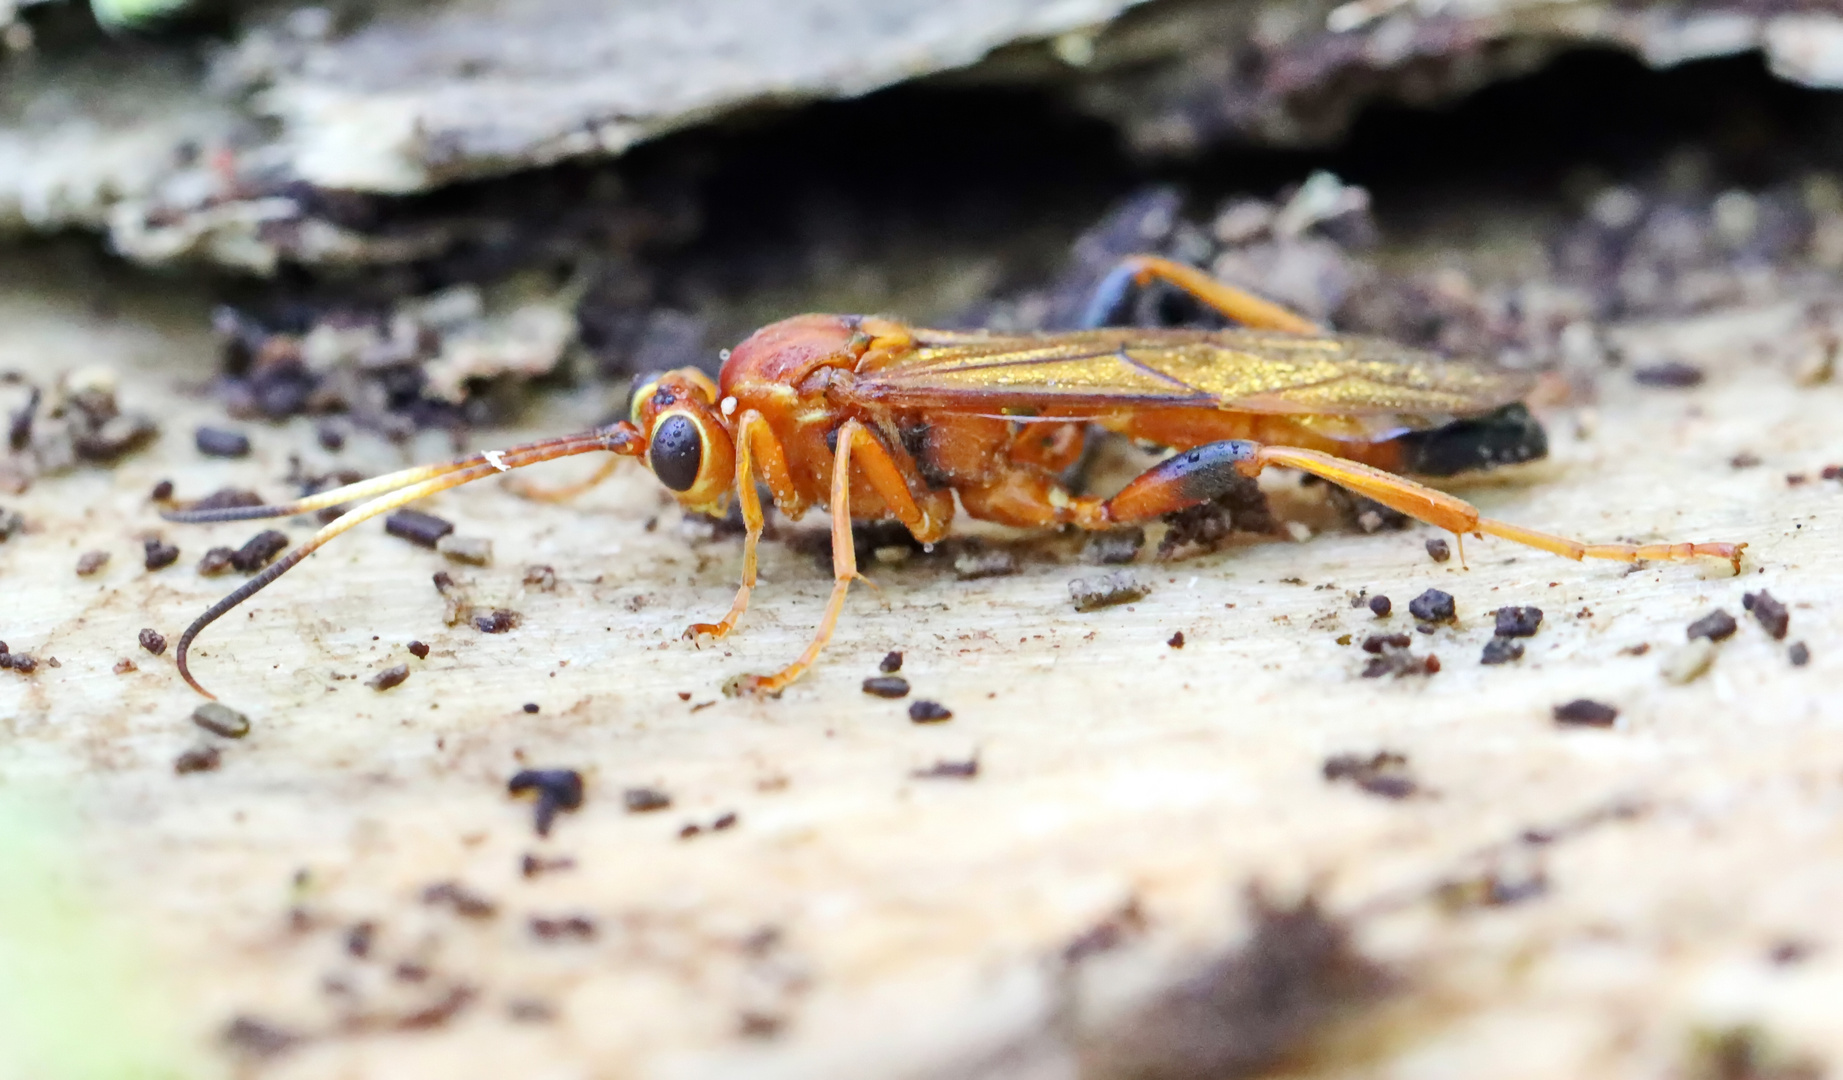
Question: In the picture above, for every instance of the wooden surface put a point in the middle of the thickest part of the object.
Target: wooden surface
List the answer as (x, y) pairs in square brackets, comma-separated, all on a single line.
[(857, 921)]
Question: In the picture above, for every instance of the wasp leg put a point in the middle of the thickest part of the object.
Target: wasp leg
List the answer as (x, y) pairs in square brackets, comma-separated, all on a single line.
[(566, 492), (1138, 271), (748, 429), (888, 479), (1418, 501)]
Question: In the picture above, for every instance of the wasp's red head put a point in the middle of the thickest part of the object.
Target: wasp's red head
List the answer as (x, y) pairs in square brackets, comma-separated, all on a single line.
[(688, 446)]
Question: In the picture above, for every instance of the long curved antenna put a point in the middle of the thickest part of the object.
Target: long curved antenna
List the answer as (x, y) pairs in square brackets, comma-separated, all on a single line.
[(389, 492), (620, 438)]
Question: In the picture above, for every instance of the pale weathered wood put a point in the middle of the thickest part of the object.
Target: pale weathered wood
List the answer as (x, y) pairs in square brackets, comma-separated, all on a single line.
[(918, 919)]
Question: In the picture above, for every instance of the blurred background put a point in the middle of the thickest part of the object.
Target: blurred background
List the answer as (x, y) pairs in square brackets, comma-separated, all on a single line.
[(406, 211)]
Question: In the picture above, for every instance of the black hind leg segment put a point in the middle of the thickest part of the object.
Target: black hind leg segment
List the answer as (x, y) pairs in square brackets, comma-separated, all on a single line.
[(1184, 480)]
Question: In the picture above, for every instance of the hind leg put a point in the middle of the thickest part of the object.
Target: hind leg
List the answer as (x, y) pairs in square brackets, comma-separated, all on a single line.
[(1201, 474)]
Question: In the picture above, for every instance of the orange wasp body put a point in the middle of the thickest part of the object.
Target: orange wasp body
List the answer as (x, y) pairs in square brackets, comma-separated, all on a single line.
[(877, 420)]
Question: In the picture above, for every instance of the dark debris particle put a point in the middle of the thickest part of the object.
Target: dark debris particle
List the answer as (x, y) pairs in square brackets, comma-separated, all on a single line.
[(949, 770), (1207, 526), (117, 436), (1114, 548), (1176, 640), (887, 686), (124, 666), (726, 820), (1746, 459), (226, 499), (1401, 663), (751, 1024), (162, 491), (1771, 614), (527, 1010), (1120, 587), (1383, 773), (530, 707), (1671, 374), (891, 663), (393, 676), (216, 561), (929, 712), (359, 938), (1583, 712), (1433, 606), (439, 1012), (1248, 1009), (562, 928), (19, 424), (498, 622), (1790, 952), (425, 530), (976, 563), (21, 662), (1501, 650), (331, 436), (217, 442), (259, 1038), (1380, 606), (1518, 621), (259, 550), (556, 789), (1110, 933), (443, 580), (91, 562), (644, 800), (152, 640), (1439, 550), (531, 866), (1799, 654), (1375, 643), (418, 650), (462, 900), (1831, 472), (12, 522), (158, 554), (1746, 1052), (1490, 889), (198, 759), (1717, 625), (541, 578)]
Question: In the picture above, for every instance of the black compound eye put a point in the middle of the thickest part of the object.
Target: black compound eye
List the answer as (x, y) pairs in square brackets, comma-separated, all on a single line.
[(677, 452)]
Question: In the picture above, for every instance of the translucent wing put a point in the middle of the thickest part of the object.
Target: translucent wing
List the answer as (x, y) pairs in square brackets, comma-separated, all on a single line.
[(1101, 371)]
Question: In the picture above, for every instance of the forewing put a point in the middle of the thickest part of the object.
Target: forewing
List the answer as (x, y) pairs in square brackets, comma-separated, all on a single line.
[(1240, 370)]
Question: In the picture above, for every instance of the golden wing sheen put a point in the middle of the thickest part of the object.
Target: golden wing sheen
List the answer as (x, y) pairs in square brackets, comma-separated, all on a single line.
[(1241, 370)]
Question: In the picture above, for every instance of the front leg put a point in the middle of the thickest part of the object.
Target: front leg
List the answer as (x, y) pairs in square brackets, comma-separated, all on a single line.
[(888, 479), (748, 430)]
